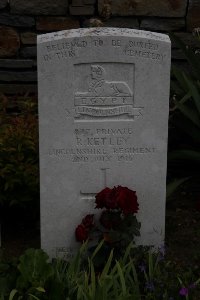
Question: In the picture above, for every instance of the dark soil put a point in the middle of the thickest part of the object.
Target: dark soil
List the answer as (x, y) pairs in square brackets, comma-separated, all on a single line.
[(183, 228), (19, 236)]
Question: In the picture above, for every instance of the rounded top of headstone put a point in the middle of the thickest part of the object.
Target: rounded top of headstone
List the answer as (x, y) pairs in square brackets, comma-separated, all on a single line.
[(102, 31)]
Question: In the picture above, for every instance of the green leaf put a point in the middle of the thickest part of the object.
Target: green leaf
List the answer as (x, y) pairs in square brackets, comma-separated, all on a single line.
[(6, 186), (40, 289), (74, 266), (34, 297), (34, 267), (179, 74), (184, 154), (197, 281), (107, 265), (174, 185), (137, 285), (12, 294), (192, 58), (97, 249), (122, 279), (127, 252), (175, 88), (190, 113), (56, 287), (151, 268), (188, 127), (93, 280), (185, 98), (194, 91)]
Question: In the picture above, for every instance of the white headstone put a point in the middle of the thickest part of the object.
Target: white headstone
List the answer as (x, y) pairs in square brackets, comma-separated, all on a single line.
[(103, 114)]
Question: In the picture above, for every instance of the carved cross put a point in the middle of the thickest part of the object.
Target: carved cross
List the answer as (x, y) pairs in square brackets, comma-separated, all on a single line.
[(91, 196)]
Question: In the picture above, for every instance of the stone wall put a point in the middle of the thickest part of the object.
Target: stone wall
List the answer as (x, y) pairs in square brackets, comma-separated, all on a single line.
[(22, 20)]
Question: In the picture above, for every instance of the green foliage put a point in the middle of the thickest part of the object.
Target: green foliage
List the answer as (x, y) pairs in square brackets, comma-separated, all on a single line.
[(19, 174), (34, 269), (174, 185), (184, 142), (31, 275), (140, 274), (8, 276)]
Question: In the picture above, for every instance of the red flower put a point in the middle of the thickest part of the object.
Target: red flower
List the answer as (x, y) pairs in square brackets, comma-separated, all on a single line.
[(81, 233), (111, 201), (103, 197), (88, 221), (127, 200)]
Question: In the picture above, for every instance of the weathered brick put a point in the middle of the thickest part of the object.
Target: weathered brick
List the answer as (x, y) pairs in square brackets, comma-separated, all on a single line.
[(77, 2), (89, 2), (27, 52), (56, 23), (163, 24), (113, 22), (9, 42), (165, 8), (16, 20), (86, 10), (92, 22), (10, 89), (193, 16), (39, 7), (83, 2), (18, 76), (16, 63), (28, 38), (122, 22), (3, 3)]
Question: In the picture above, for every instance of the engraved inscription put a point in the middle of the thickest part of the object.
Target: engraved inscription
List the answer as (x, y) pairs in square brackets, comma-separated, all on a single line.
[(102, 145), (98, 42), (64, 252), (107, 112), (66, 45), (144, 50), (143, 45), (144, 54), (59, 55), (102, 141), (63, 50), (133, 47), (92, 154), (116, 43)]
